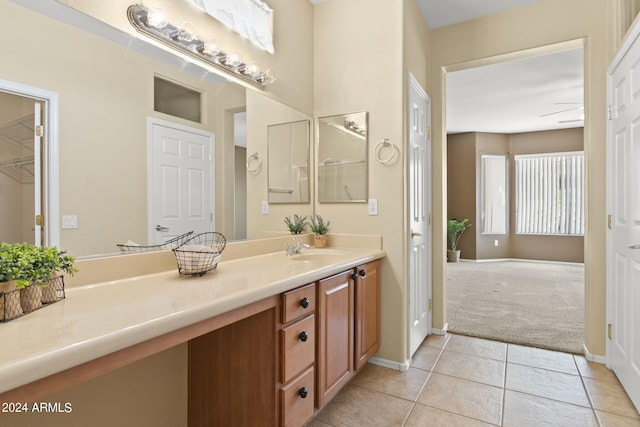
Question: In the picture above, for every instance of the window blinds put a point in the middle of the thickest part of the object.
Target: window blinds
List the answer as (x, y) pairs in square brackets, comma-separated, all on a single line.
[(550, 193)]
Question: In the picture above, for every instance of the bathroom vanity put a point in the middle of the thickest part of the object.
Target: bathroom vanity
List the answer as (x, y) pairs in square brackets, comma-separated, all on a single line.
[(271, 338)]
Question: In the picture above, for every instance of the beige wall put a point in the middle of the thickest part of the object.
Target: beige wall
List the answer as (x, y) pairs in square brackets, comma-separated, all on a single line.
[(535, 25)]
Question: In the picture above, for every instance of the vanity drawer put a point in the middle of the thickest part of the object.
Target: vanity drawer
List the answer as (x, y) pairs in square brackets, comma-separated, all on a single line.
[(298, 303), (298, 347), (297, 399)]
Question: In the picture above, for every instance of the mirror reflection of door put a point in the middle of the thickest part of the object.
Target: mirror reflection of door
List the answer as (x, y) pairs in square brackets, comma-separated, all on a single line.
[(20, 165)]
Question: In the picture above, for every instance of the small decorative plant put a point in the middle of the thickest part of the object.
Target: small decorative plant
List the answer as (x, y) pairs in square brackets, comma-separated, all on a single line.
[(297, 224), (29, 264), (455, 229), (318, 226)]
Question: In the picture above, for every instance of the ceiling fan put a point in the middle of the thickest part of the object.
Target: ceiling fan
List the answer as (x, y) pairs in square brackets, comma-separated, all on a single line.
[(578, 107)]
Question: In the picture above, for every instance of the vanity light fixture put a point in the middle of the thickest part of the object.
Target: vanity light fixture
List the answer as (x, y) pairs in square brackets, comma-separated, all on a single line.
[(154, 23)]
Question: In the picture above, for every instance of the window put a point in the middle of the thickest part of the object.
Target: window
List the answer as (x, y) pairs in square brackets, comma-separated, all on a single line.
[(493, 187), (550, 194), (176, 100)]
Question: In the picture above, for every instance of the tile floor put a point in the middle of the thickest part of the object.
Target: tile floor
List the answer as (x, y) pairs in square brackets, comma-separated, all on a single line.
[(456, 380)]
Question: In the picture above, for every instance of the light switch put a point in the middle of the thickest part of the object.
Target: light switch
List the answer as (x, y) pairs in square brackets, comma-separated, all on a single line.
[(373, 206), (69, 221), (265, 207)]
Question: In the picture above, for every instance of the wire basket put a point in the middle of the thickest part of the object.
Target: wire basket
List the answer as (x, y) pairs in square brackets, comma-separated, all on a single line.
[(200, 253), (169, 244)]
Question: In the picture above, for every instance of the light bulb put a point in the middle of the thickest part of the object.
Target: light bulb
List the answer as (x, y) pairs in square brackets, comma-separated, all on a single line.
[(211, 48), (253, 69), (157, 18), (187, 32)]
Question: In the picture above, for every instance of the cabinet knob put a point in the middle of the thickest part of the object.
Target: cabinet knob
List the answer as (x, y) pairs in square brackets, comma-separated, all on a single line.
[(303, 392), (362, 273), (304, 302), (304, 336), (354, 276)]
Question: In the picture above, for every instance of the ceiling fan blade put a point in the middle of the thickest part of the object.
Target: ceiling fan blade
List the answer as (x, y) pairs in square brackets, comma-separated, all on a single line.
[(561, 111)]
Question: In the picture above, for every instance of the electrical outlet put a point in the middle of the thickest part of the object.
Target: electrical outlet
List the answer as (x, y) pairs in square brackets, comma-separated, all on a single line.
[(495, 243), (265, 207)]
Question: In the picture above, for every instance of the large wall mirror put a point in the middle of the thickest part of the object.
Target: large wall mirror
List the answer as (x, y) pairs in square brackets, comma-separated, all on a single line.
[(342, 158), (106, 93), (288, 145)]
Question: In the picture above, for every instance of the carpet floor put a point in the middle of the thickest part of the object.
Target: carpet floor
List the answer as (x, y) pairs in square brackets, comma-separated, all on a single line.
[(534, 304)]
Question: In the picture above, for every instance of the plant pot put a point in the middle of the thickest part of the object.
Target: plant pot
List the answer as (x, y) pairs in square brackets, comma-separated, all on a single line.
[(319, 240), (453, 256), (31, 298), (52, 291), (10, 307)]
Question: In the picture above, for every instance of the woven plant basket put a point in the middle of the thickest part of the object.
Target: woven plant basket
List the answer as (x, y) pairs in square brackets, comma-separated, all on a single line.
[(10, 307), (54, 289), (31, 298)]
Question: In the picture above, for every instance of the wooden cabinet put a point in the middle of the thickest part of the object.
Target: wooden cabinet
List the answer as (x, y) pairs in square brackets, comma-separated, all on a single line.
[(367, 312), (334, 360), (297, 356)]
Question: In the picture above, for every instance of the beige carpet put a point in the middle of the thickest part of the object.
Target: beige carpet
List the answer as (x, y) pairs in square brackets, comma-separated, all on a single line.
[(535, 304)]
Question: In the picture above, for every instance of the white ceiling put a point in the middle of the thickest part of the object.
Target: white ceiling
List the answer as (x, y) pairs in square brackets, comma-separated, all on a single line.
[(507, 97)]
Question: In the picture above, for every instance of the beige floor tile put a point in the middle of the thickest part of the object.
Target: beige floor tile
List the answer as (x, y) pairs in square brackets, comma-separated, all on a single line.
[(406, 385), (594, 370), (422, 416), (544, 383), (357, 406), (470, 399), (316, 423), (437, 341), (541, 358), (473, 368), (425, 357), (610, 397), (612, 420), (477, 347), (522, 410)]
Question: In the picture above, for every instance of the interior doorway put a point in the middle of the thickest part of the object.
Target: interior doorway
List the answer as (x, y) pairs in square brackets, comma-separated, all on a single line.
[(527, 103), (28, 165)]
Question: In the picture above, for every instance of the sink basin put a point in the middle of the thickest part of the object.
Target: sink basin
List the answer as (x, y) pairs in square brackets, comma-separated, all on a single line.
[(318, 255)]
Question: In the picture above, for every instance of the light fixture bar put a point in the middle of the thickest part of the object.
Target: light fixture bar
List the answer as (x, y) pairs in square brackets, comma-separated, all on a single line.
[(184, 40)]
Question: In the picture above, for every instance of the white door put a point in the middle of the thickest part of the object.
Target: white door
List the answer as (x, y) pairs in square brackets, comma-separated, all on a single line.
[(623, 206), (180, 182), (419, 158)]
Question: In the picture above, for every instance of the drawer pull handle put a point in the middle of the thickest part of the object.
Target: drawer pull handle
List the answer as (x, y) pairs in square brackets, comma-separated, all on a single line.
[(304, 302), (303, 392), (304, 336)]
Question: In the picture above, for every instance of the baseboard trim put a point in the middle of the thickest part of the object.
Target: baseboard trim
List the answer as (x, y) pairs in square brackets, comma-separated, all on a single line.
[(390, 364), (540, 261), (592, 357), (442, 331)]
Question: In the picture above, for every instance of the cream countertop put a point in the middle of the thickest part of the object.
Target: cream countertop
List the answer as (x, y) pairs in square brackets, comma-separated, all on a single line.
[(99, 319)]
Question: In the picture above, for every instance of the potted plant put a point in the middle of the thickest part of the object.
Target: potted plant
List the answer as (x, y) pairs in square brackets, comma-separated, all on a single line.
[(320, 230), (297, 224), (455, 229), (26, 269)]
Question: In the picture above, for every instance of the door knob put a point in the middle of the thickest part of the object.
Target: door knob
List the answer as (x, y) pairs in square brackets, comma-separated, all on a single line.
[(161, 228), (636, 246), (415, 234)]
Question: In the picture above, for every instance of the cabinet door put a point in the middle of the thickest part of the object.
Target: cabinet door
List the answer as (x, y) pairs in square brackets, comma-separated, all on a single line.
[(367, 312), (334, 312)]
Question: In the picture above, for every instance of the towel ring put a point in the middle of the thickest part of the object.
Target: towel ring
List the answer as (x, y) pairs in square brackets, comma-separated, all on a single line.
[(254, 163), (383, 144)]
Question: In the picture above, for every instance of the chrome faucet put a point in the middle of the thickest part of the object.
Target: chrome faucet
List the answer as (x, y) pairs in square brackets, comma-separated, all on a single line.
[(295, 249)]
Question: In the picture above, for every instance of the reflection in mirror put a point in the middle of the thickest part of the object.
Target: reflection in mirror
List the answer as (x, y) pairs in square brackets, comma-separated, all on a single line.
[(108, 94), (342, 158), (288, 154)]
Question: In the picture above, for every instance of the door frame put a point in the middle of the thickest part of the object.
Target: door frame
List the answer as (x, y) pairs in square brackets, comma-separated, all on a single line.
[(151, 121), (50, 189)]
